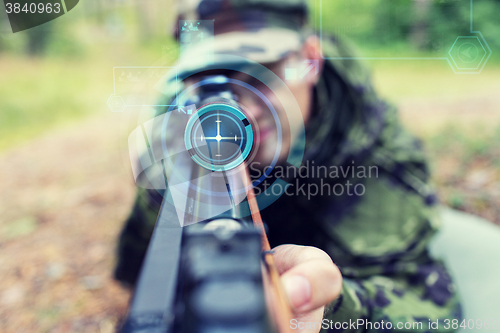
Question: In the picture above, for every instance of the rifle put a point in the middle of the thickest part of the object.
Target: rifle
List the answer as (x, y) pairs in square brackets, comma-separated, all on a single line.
[(216, 275)]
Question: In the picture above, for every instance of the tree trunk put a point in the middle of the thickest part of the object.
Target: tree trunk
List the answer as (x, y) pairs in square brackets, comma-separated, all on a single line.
[(419, 32)]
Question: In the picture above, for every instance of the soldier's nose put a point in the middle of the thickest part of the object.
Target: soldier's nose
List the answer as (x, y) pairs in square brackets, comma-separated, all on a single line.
[(254, 109)]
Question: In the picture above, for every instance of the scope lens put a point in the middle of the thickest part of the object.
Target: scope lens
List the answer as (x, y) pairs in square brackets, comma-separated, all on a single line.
[(219, 137)]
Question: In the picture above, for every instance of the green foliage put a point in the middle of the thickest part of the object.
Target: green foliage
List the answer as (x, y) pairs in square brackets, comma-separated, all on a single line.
[(470, 144), (391, 21), (69, 76), (65, 41), (449, 19), (486, 20), (456, 200), (40, 94), (382, 24), (38, 38)]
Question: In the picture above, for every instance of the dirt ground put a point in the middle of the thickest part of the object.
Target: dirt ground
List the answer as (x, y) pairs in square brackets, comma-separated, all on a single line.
[(65, 196), (63, 201), (465, 161)]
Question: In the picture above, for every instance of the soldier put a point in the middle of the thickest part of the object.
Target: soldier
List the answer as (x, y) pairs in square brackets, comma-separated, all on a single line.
[(357, 257)]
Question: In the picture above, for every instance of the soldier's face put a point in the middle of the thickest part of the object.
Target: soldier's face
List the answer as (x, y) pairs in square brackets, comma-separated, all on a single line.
[(275, 130), (291, 121), (288, 117)]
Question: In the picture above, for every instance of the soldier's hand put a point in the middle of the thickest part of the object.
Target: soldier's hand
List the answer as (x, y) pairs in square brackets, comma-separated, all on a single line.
[(311, 281)]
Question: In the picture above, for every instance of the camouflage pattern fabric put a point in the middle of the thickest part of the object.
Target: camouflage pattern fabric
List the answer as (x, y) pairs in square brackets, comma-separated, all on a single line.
[(246, 15), (379, 239)]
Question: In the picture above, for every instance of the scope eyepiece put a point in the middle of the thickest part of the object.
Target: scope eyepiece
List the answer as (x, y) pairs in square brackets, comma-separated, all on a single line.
[(219, 136)]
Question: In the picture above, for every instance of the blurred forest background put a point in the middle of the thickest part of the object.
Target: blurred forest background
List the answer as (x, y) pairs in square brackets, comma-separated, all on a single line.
[(66, 181)]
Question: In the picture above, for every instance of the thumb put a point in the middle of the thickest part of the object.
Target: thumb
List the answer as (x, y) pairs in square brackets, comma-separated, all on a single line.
[(298, 289), (311, 280)]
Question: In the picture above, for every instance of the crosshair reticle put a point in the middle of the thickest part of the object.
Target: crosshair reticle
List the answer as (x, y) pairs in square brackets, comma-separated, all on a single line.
[(219, 137)]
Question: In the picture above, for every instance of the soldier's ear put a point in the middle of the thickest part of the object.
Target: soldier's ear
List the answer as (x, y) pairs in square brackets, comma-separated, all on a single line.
[(311, 51)]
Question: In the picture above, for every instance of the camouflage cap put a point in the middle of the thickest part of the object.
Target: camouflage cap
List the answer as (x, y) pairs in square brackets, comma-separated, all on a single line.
[(246, 15), (264, 31)]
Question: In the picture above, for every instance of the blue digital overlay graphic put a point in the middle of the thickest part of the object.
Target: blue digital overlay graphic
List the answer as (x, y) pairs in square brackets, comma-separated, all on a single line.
[(138, 86), (219, 137), (159, 146)]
